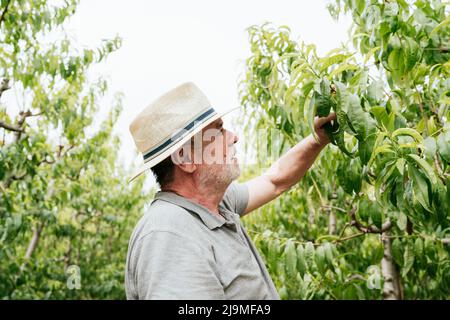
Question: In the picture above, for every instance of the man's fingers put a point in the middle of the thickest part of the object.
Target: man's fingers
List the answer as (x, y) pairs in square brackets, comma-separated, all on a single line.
[(331, 116), (321, 121)]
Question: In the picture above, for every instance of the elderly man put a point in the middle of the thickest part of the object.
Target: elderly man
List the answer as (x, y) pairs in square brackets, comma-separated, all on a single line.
[(190, 244)]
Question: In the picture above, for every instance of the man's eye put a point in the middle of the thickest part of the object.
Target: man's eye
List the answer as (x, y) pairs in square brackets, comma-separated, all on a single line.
[(220, 131)]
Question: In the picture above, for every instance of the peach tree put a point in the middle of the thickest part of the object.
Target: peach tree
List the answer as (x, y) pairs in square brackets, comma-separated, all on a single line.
[(64, 201), (371, 218)]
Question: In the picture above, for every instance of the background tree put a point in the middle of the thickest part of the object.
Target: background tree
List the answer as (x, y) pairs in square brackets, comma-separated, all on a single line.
[(64, 200), (371, 218)]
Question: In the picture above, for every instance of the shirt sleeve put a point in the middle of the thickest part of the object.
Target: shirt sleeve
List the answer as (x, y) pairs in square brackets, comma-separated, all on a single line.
[(173, 267), (235, 198)]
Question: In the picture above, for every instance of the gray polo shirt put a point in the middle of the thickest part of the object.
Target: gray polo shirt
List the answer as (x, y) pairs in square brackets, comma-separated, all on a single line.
[(180, 250)]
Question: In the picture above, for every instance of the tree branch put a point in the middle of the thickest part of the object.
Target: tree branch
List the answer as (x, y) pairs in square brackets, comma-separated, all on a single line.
[(370, 229), (60, 149), (18, 129), (349, 237), (333, 207), (4, 86), (10, 127), (4, 12), (34, 115), (2, 17), (59, 155), (14, 177), (68, 255), (37, 230), (22, 116), (441, 49), (355, 277)]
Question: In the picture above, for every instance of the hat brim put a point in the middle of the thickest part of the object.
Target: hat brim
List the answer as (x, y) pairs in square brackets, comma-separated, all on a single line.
[(148, 165)]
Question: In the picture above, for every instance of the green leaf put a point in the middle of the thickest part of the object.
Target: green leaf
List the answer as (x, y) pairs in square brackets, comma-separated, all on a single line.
[(273, 253), (387, 175), (323, 105), (441, 201), (356, 175), (365, 148), (328, 253), (359, 120), (376, 214), (391, 9), (323, 99), (385, 148), (418, 247), (408, 132), (309, 253), (301, 263), (328, 61), (375, 92), (412, 54), (408, 258), (397, 251), (341, 116), (401, 221), (443, 145), (312, 110), (371, 53), (427, 169), (360, 5), (420, 187), (350, 176), (290, 258), (400, 163), (441, 25), (394, 59), (342, 68), (320, 259), (430, 147), (363, 209), (339, 136)]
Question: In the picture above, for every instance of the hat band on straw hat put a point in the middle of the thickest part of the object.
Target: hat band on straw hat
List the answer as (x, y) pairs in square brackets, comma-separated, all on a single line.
[(155, 151)]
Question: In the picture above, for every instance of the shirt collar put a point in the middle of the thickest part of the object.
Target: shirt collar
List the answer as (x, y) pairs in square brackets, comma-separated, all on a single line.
[(211, 220)]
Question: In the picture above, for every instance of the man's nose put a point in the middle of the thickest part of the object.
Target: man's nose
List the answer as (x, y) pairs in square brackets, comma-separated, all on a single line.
[(235, 138)]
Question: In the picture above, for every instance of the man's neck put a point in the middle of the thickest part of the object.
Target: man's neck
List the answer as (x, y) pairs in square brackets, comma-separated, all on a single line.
[(207, 197)]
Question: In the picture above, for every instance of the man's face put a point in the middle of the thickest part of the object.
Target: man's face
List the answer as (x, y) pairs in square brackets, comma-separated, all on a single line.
[(213, 151)]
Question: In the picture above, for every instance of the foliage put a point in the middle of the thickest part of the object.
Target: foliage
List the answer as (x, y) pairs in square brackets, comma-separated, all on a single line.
[(64, 199), (385, 181)]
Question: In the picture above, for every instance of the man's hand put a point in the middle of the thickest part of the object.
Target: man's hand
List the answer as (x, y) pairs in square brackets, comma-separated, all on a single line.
[(319, 129)]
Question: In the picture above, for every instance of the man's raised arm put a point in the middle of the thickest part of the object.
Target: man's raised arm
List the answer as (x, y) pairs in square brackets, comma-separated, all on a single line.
[(288, 169)]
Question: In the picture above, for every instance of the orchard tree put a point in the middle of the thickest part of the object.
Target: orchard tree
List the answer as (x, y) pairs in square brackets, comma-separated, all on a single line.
[(371, 218), (66, 211)]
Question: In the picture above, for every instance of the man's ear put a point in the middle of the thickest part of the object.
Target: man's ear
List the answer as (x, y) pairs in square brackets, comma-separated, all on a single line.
[(183, 160)]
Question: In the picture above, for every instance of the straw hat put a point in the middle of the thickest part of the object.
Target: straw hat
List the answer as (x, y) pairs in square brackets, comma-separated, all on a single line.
[(170, 121)]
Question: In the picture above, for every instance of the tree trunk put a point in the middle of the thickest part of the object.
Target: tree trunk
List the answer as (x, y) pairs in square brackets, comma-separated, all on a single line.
[(68, 255), (392, 289), (332, 223), (37, 230)]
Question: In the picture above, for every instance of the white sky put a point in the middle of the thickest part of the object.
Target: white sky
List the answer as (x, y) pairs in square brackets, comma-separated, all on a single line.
[(166, 43)]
